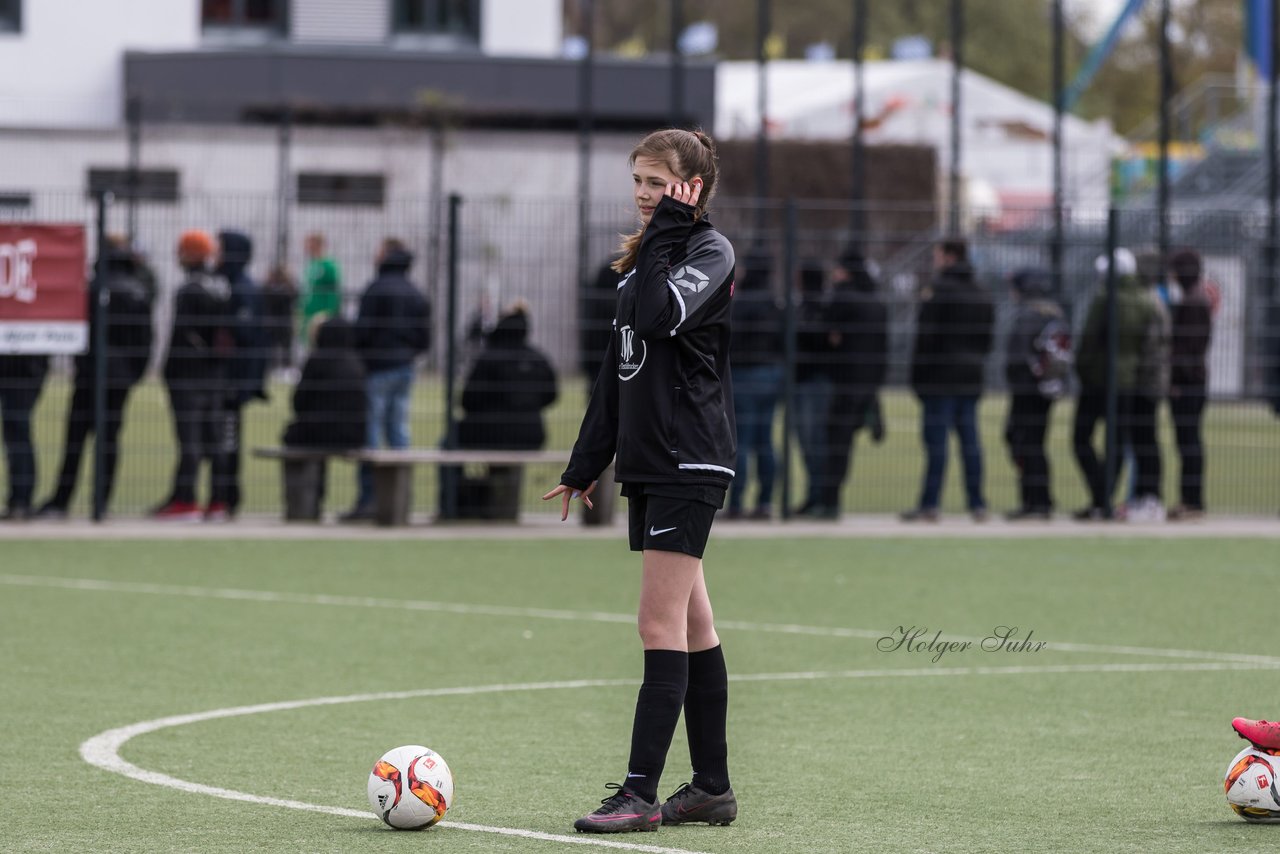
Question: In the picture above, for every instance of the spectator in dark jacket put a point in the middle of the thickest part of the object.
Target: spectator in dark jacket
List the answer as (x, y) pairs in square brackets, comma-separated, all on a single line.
[(246, 368), (859, 347), (1189, 378), (1038, 335), (393, 329), (812, 391), (1137, 315), (953, 337), (21, 380), (128, 349), (279, 299), (502, 400), (597, 302), (329, 402), (509, 386), (195, 372), (755, 345)]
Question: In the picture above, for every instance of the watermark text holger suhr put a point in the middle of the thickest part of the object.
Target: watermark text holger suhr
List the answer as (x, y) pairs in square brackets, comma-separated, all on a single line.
[(919, 639)]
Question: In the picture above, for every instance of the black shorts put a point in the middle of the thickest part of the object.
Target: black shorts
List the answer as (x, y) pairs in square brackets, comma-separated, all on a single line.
[(671, 517)]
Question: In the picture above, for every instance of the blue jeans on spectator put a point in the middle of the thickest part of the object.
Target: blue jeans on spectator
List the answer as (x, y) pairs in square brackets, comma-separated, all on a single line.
[(811, 404), (755, 398), (387, 419), (943, 413)]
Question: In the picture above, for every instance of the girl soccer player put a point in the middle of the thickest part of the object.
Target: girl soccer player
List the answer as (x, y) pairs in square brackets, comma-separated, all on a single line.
[(663, 403)]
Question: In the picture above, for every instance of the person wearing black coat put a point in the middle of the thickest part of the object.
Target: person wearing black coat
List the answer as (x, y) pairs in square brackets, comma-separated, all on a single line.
[(392, 330), (811, 401), (21, 381), (246, 368), (755, 342), (1192, 330), (509, 385), (128, 349), (859, 342), (195, 373), (953, 337), (1029, 405)]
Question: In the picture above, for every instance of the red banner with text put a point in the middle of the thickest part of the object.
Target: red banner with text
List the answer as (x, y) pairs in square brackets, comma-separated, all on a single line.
[(43, 301)]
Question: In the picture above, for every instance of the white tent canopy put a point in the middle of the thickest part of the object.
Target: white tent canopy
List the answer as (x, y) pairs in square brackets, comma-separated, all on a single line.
[(1005, 135)]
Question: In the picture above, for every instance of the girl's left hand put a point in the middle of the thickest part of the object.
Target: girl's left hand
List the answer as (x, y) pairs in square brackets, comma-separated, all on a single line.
[(686, 192)]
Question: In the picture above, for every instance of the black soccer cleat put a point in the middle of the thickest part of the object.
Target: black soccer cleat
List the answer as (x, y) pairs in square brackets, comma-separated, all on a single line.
[(690, 804), (621, 812)]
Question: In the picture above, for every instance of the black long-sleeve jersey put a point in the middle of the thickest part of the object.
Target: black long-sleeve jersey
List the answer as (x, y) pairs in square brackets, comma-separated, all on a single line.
[(663, 400)]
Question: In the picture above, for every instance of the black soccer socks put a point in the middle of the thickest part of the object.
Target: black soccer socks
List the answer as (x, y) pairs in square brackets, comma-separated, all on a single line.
[(666, 673), (706, 705)]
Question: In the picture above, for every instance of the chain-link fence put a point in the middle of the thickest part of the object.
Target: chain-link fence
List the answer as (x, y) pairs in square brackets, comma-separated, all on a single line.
[(510, 251)]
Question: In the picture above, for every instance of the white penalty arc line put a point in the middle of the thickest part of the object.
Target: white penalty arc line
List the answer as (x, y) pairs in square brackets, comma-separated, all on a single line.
[(279, 597), (103, 750)]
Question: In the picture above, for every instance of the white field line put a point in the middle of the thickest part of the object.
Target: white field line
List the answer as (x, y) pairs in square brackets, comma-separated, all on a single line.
[(103, 750), (275, 597)]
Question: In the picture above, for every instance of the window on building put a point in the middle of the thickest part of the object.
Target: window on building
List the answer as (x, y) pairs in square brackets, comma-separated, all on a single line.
[(341, 188), (458, 18), (10, 16), (263, 17), (10, 199), (153, 185)]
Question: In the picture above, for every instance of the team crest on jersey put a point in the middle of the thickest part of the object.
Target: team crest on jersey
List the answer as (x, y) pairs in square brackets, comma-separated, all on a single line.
[(691, 279), (631, 353)]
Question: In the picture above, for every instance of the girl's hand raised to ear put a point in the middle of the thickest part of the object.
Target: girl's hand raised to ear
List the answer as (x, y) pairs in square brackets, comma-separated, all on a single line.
[(685, 191)]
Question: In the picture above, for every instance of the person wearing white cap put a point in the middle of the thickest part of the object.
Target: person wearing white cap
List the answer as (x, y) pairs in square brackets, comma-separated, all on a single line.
[(1135, 313)]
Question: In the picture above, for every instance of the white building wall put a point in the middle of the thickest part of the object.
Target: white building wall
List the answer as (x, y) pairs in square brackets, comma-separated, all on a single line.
[(521, 27), (65, 68), (340, 21)]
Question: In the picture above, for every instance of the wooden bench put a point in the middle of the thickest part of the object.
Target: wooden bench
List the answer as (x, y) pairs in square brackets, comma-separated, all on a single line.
[(392, 476)]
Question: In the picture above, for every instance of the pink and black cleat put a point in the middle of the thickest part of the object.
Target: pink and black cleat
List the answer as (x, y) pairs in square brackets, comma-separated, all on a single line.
[(1264, 735), (621, 812)]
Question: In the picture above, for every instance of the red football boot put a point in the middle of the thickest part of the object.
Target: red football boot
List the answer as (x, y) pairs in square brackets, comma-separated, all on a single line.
[(1264, 735)]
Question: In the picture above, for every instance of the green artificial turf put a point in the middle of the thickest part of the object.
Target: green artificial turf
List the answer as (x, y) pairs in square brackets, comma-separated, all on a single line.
[(858, 749)]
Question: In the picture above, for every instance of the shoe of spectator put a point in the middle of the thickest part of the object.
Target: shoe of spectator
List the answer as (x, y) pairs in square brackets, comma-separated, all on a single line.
[(178, 511), (16, 513), (1183, 513), (217, 511), (762, 513), (1026, 514), (826, 513), (51, 511), (1146, 509), (1092, 514), (358, 514), (978, 514), (803, 510), (733, 514), (920, 514)]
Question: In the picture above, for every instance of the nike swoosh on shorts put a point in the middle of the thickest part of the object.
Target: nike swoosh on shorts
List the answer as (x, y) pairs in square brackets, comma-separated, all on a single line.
[(653, 532)]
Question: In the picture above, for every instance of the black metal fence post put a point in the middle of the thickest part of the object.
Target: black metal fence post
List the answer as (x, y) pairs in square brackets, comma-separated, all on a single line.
[(677, 65), (133, 172), (857, 154), (1059, 73), (451, 475), (789, 265), (762, 106), (99, 296), (1113, 347), (957, 99)]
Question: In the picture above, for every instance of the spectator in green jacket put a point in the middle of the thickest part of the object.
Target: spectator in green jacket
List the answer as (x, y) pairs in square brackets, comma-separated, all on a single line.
[(1136, 316), (322, 292)]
